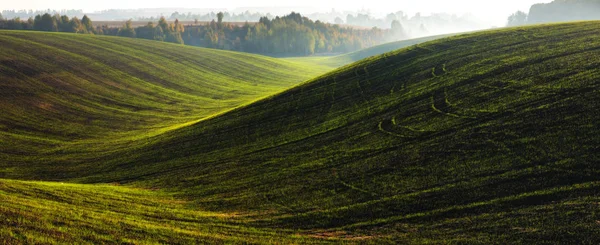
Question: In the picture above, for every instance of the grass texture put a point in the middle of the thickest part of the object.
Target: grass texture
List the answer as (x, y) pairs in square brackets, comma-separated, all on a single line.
[(480, 138)]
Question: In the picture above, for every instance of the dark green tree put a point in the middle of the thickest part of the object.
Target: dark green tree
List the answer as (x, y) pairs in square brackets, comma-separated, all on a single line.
[(174, 37), (75, 26), (45, 23), (159, 34), (265, 21), (220, 16), (178, 27), (65, 24), (162, 22), (146, 32), (127, 30), (14, 24), (58, 20), (87, 24)]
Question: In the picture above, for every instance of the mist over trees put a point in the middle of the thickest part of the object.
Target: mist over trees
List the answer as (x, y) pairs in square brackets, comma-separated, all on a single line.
[(143, 14), (564, 10), (292, 34), (517, 19), (25, 14), (414, 26), (557, 11), (435, 23), (227, 16)]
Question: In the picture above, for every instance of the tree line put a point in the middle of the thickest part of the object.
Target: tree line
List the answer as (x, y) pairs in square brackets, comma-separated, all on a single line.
[(292, 34), (163, 31), (51, 23)]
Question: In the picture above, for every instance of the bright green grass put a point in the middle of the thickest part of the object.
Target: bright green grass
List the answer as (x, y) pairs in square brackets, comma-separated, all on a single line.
[(349, 58), (91, 94), (482, 138), (52, 212)]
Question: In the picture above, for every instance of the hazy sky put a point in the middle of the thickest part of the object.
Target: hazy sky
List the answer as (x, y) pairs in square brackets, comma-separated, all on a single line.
[(491, 10)]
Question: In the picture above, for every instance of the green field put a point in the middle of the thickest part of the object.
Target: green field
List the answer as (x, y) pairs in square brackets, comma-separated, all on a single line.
[(480, 138), (349, 58), (88, 95)]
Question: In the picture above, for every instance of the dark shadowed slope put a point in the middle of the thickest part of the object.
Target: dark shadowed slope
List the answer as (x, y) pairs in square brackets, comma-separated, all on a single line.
[(481, 138)]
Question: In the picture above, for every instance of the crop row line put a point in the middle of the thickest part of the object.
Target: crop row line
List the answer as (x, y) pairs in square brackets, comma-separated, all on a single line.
[(380, 127)]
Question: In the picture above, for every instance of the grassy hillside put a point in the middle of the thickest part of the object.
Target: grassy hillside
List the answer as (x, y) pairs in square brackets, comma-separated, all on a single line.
[(87, 95), (50, 212), (494, 128), (345, 59), (480, 138)]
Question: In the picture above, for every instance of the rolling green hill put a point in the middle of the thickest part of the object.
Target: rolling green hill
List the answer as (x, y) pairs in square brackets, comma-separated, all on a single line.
[(64, 213), (91, 94), (482, 138), (345, 59)]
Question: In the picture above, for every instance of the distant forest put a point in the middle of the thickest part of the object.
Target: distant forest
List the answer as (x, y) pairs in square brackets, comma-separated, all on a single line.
[(292, 34), (557, 11), (141, 14)]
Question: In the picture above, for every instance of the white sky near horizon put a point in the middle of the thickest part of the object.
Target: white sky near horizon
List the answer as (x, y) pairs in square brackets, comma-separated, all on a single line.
[(490, 11)]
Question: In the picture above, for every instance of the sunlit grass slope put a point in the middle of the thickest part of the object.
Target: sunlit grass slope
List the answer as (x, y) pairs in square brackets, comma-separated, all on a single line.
[(50, 212), (345, 59), (92, 94), (475, 138)]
